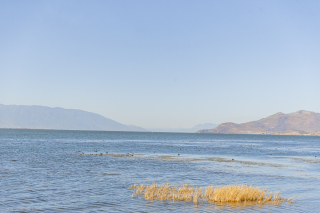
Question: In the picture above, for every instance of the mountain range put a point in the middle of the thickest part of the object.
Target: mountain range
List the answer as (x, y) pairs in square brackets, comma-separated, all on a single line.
[(298, 123), (41, 117)]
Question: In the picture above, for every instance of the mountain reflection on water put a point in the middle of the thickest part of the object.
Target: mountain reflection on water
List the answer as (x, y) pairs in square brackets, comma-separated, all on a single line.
[(90, 171)]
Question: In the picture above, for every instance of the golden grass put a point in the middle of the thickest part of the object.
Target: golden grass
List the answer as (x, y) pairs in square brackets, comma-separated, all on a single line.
[(185, 192)]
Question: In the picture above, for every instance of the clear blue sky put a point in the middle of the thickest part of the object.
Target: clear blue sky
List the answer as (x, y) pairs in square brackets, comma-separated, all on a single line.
[(162, 63)]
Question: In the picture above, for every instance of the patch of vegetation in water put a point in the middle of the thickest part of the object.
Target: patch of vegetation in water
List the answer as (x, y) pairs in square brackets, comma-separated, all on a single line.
[(221, 194), (171, 158)]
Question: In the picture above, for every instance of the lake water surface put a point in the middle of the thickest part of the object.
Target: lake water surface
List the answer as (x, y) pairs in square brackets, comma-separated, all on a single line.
[(63, 171)]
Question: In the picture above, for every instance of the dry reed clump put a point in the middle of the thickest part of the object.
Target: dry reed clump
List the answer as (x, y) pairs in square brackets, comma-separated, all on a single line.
[(185, 192), (168, 192)]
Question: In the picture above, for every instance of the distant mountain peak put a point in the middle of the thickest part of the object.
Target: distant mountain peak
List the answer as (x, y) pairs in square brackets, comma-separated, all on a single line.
[(279, 113), (303, 112)]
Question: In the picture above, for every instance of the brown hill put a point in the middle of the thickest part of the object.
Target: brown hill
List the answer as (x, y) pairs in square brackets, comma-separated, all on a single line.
[(297, 123)]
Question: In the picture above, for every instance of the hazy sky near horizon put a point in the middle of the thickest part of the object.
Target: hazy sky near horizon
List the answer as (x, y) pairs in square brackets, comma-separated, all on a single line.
[(162, 63)]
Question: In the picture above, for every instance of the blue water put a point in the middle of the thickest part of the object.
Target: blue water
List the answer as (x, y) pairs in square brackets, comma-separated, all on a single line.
[(62, 171)]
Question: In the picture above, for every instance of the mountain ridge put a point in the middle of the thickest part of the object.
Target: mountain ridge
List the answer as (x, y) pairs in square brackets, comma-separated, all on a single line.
[(301, 122), (42, 117)]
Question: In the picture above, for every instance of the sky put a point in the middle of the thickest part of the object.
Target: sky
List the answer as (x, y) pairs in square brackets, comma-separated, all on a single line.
[(162, 63)]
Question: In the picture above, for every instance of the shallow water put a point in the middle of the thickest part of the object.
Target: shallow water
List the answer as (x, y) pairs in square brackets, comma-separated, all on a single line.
[(59, 171)]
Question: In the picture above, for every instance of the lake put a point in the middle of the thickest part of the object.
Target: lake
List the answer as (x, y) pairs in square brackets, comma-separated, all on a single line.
[(92, 171)]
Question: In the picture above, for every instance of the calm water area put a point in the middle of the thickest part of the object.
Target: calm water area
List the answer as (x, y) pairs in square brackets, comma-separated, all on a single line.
[(64, 171)]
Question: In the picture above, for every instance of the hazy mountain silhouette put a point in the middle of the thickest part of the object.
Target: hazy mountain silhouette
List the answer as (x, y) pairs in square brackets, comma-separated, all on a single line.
[(297, 123), (137, 128), (41, 117), (187, 130), (203, 126)]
